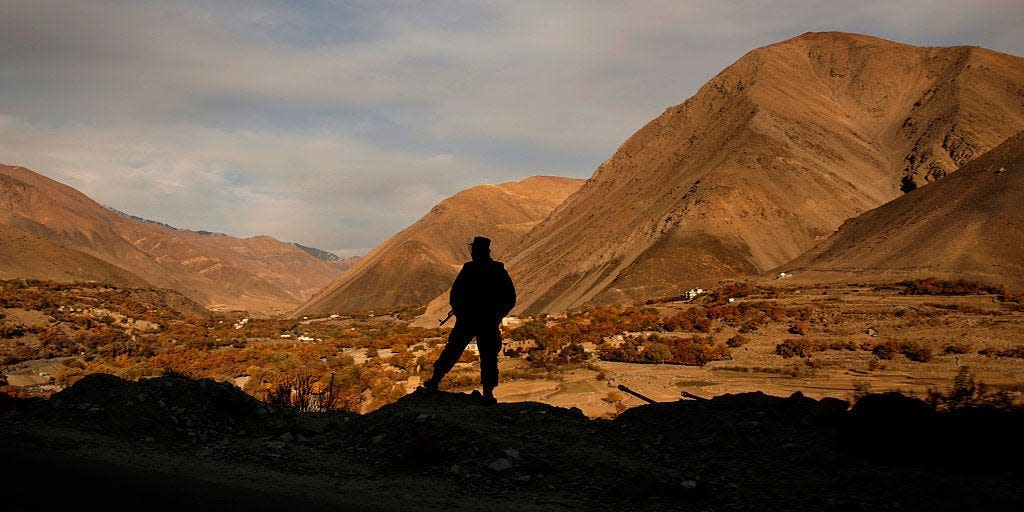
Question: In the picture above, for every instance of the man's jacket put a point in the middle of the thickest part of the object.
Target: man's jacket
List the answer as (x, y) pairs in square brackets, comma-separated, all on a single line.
[(483, 291)]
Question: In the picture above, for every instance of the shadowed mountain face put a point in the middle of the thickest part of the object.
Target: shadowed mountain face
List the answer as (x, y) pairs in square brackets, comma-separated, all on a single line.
[(259, 274), (421, 261), (968, 225), (765, 161)]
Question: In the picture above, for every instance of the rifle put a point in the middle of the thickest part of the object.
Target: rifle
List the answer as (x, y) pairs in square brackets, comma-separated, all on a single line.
[(451, 313)]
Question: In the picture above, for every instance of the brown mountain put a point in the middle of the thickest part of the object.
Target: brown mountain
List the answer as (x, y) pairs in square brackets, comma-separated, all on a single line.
[(765, 161), (421, 261), (259, 274), (26, 256), (969, 224)]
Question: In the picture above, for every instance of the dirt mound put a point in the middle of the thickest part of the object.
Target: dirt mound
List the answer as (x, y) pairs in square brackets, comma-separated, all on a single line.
[(455, 432), (163, 408), (747, 451)]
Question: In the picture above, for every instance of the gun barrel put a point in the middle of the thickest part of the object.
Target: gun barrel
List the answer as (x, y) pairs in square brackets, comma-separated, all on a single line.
[(622, 387), (450, 313)]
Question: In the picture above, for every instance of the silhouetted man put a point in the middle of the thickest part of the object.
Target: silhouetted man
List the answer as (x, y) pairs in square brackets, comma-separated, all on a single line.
[(481, 296)]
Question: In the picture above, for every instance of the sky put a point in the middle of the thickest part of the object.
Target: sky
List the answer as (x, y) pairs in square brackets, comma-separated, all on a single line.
[(336, 124)]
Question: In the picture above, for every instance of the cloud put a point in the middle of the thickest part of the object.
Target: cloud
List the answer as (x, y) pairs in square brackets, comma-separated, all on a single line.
[(337, 124)]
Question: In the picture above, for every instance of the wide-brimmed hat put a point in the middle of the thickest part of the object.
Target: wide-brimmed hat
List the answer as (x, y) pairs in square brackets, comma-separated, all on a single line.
[(480, 242)]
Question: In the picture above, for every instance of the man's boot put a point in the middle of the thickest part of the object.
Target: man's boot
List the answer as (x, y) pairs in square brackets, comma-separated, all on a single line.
[(430, 385), (488, 396)]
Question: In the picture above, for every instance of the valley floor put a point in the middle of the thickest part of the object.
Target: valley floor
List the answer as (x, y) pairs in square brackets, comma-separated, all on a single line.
[(979, 326)]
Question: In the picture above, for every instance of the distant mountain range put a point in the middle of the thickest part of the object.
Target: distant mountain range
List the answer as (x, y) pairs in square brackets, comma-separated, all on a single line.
[(70, 232)]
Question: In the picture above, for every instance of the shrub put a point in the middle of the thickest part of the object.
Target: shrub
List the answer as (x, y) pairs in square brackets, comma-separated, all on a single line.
[(800, 328), (958, 348), (933, 286), (861, 389), (656, 352), (916, 352), (696, 351), (969, 393), (885, 350), (688, 320), (737, 341), (10, 331), (535, 329), (797, 348), (842, 345), (722, 294), (1017, 352)]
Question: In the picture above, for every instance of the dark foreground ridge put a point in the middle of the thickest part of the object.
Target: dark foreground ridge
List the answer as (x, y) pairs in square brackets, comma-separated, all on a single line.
[(177, 443)]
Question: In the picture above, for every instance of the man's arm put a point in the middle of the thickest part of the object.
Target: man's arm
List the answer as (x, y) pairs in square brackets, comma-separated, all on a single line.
[(455, 296), (508, 293)]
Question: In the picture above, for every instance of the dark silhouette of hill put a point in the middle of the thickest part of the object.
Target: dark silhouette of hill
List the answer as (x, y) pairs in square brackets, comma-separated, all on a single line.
[(766, 160), (966, 225), (171, 442), (259, 274), (420, 262)]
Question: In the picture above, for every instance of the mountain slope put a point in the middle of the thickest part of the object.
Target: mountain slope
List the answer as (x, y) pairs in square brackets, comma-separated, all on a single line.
[(967, 225), (421, 261), (259, 274), (765, 161), (26, 256)]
